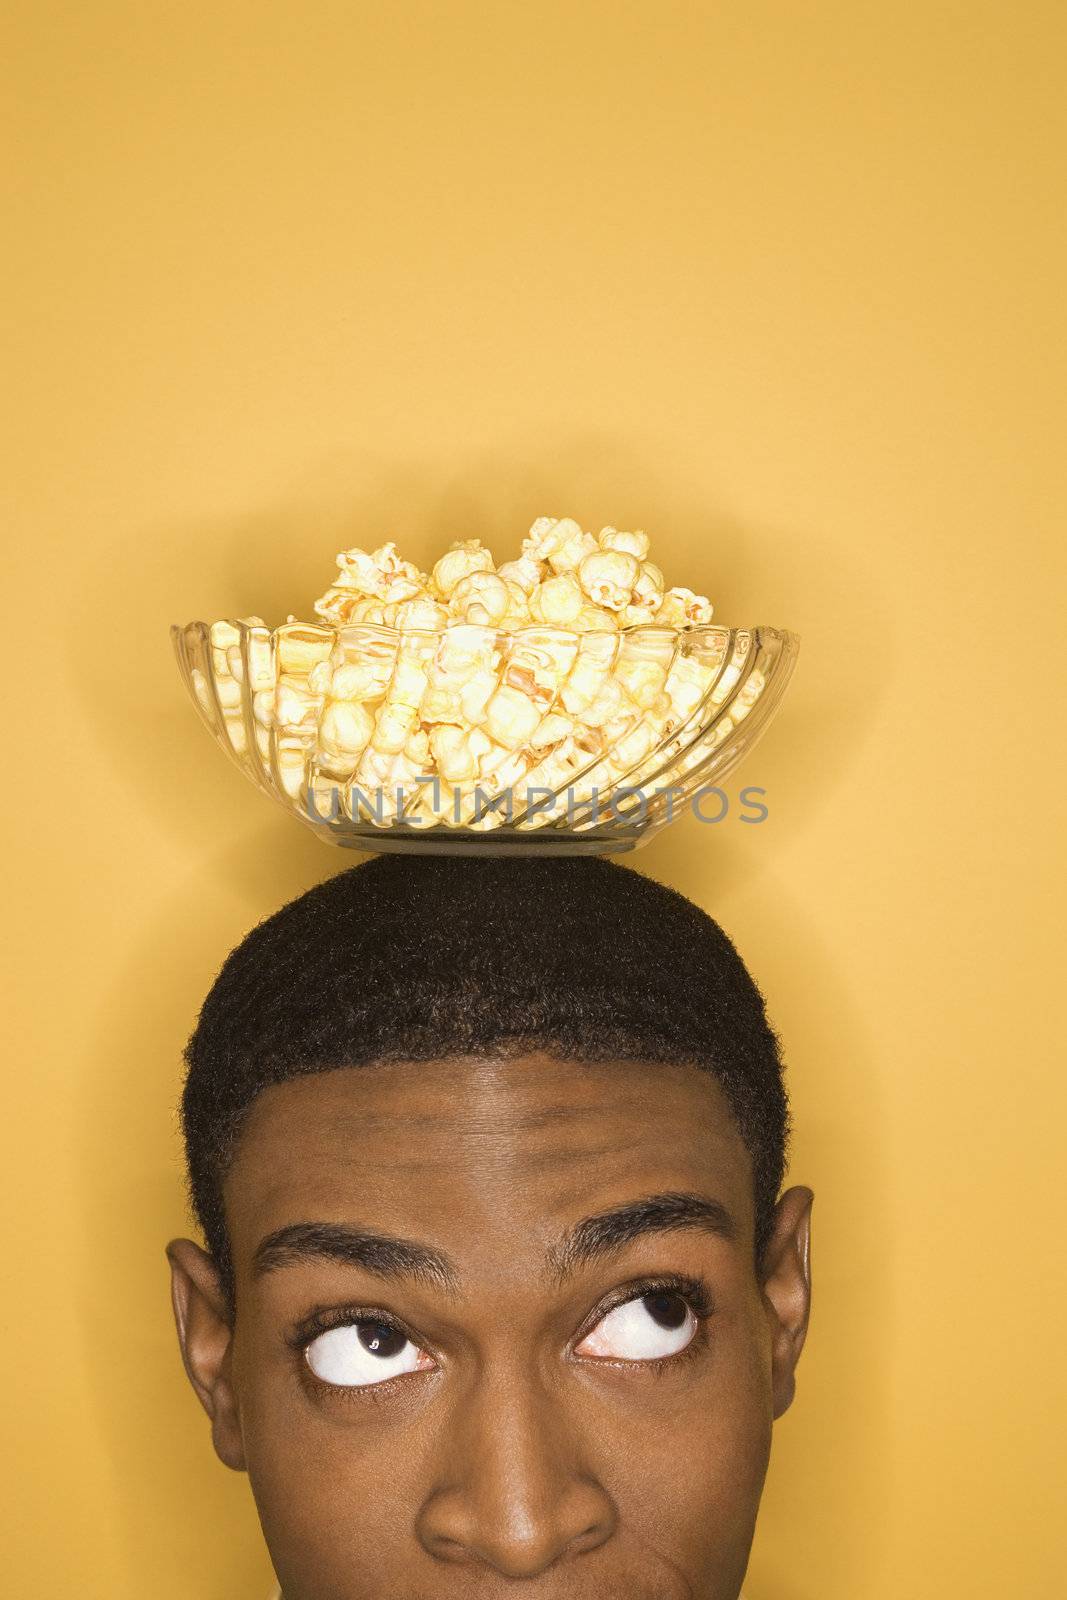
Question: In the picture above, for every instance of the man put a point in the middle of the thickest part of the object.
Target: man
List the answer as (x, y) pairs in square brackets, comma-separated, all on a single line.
[(500, 1297)]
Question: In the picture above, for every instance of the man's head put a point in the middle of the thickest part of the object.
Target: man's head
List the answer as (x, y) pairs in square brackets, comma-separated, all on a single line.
[(499, 1287)]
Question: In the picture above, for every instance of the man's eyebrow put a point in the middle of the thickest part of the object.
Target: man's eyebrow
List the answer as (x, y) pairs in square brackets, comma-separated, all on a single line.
[(381, 1253), (391, 1257), (609, 1231)]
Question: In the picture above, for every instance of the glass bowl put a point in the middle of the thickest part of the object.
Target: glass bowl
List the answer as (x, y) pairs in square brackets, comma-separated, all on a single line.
[(471, 739)]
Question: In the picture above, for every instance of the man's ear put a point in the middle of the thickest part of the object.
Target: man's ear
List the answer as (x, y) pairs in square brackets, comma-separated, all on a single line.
[(206, 1338), (786, 1289)]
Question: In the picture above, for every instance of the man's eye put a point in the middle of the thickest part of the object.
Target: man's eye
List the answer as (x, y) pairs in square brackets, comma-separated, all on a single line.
[(646, 1329), (361, 1353)]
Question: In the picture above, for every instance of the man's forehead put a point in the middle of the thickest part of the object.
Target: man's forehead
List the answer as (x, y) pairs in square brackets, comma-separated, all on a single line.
[(425, 1107), (451, 1140)]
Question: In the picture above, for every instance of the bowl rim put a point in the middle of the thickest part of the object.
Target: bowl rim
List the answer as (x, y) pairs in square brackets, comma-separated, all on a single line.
[(391, 631)]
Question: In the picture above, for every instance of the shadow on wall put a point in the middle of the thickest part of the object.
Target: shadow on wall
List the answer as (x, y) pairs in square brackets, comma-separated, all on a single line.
[(245, 858)]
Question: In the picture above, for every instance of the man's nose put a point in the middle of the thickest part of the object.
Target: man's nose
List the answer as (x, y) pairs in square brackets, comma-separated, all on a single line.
[(513, 1490)]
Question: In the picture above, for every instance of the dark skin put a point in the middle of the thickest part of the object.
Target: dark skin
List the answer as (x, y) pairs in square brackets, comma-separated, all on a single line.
[(560, 1384)]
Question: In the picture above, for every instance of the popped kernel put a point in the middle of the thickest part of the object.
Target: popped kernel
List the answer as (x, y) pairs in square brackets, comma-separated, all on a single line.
[(518, 610), (320, 677), (549, 534), (506, 768), (394, 722), (568, 555), (463, 556), (611, 701), (634, 544), (474, 695), (464, 648), (524, 570), (451, 749), (345, 727), (229, 692), (337, 605), (421, 612), (359, 570), (687, 683), (262, 706), (642, 680), (360, 680), (559, 600), (636, 616), (632, 746), (417, 748), (552, 729), (511, 716), (290, 705), (584, 682), (680, 607), (391, 565), (408, 683), (608, 577), (481, 597), (648, 585), (595, 619), (399, 589), (441, 704)]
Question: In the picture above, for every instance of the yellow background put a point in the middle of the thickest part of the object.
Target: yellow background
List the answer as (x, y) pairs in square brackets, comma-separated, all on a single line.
[(781, 284)]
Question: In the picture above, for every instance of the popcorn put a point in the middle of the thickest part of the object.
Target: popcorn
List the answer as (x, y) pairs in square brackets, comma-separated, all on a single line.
[(390, 564), (568, 555), (290, 706), (518, 611), (463, 556), (593, 619), (548, 535), (648, 586), (687, 683), (441, 704), (552, 729), (511, 716), (395, 721), (345, 729), (634, 544), (681, 607), (365, 581), (421, 612), (608, 577), (611, 702), (337, 604), (358, 680), (559, 600), (642, 680), (525, 571), (481, 597), (637, 616), (594, 662), (451, 749), (474, 696), (568, 658), (408, 683), (360, 571)]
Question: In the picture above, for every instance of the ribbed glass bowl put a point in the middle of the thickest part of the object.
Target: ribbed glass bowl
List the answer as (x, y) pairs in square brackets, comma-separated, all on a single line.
[(647, 716)]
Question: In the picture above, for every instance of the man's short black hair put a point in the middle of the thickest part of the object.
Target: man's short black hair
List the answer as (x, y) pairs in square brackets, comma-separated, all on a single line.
[(418, 958)]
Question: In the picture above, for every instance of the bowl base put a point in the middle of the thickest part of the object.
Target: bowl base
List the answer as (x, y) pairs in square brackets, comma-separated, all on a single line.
[(501, 842)]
